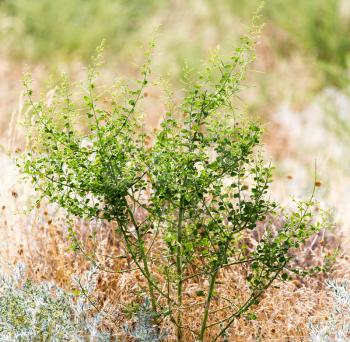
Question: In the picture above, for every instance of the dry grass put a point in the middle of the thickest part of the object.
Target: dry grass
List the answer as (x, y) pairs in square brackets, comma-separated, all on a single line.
[(282, 314)]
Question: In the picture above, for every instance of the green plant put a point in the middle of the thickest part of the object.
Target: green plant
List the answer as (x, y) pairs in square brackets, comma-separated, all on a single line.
[(144, 329), (184, 204), (44, 312), (337, 326)]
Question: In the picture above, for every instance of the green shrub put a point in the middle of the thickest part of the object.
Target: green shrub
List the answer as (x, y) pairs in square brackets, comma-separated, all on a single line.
[(44, 312), (144, 329), (183, 204), (337, 326)]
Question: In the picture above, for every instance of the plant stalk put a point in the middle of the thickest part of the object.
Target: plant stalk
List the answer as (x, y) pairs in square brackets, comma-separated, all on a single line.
[(207, 303), (179, 271), (144, 261)]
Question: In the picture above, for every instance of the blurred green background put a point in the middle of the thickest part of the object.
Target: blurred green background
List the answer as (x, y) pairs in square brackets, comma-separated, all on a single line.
[(43, 30)]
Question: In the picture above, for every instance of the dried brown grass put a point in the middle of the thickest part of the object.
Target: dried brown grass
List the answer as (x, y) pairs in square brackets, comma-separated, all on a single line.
[(282, 314)]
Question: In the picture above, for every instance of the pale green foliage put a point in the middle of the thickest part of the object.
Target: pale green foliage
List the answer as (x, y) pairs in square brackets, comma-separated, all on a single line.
[(44, 312), (195, 193), (144, 329), (337, 326)]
